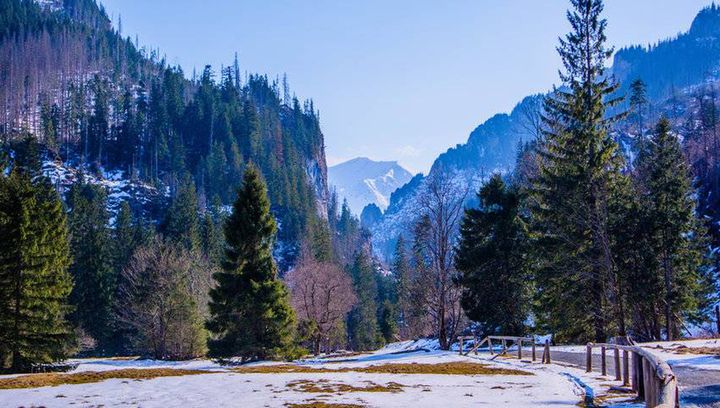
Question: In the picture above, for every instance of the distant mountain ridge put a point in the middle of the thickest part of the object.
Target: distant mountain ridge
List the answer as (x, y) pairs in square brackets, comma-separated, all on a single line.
[(670, 69), (362, 181)]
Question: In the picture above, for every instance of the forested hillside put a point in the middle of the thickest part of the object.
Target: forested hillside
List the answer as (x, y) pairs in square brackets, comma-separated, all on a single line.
[(679, 79), (97, 101)]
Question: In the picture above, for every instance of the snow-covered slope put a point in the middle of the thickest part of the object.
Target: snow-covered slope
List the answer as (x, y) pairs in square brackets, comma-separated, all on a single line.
[(363, 181)]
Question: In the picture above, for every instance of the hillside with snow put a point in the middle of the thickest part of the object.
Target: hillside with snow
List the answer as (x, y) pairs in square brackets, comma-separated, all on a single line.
[(362, 181)]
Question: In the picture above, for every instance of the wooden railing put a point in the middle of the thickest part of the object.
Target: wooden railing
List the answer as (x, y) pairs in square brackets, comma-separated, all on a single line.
[(651, 378), (518, 341)]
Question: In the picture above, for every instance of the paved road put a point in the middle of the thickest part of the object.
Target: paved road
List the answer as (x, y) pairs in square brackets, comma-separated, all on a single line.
[(700, 388)]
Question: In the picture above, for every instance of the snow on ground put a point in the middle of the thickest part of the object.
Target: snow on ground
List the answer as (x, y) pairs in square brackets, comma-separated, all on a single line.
[(678, 353), (550, 386)]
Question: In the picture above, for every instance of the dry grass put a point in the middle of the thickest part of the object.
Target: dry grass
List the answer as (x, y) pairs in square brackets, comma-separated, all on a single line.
[(454, 368), (55, 379), (697, 350), (326, 387), (282, 368), (323, 405)]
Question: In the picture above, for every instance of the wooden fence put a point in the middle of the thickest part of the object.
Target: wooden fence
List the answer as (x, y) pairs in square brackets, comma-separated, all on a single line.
[(503, 340), (651, 378)]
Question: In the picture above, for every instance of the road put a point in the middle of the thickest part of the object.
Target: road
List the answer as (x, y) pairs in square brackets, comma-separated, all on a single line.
[(698, 388)]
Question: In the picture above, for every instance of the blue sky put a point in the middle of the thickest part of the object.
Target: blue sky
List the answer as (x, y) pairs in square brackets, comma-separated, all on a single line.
[(394, 80)]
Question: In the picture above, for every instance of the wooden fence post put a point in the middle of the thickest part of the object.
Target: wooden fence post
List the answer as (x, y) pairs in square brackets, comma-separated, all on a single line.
[(475, 343), (640, 375), (547, 350), (519, 344), (533, 350), (618, 373), (490, 346), (603, 362), (626, 368), (460, 341), (717, 318), (588, 358)]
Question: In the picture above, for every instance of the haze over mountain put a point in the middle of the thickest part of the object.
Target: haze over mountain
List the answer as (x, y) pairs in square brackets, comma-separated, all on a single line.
[(362, 181)]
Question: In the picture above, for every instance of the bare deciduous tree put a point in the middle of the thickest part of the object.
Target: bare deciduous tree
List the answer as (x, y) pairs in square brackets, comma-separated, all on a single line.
[(162, 301), (322, 295), (441, 206)]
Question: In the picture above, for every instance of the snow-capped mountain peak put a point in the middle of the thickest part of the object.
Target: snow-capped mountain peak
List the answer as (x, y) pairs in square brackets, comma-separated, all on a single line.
[(363, 181)]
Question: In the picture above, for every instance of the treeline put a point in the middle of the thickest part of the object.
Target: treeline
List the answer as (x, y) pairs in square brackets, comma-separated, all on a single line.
[(579, 242)]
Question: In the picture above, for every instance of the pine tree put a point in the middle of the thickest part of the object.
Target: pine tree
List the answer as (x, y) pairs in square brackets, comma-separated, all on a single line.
[(250, 312), (580, 164), (93, 267), (676, 234), (363, 323), (34, 278), (492, 259)]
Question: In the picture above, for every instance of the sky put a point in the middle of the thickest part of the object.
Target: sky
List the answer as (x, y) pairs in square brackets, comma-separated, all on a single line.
[(394, 80)]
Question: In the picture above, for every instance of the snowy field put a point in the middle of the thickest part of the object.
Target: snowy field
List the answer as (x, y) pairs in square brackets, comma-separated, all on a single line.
[(545, 386), (217, 386)]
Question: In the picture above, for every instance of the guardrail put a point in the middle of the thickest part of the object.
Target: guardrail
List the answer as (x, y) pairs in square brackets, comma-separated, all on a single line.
[(652, 378)]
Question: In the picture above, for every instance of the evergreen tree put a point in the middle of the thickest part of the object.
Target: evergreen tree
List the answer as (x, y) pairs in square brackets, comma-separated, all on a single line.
[(93, 267), (363, 324), (579, 168), (34, 278), (401, 271), (250, 312), (676, 234), (212, 239), (493, 261), (638, 106), (181, 223)]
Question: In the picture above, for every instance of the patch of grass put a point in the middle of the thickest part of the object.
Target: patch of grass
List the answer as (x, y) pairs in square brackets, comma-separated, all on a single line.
[(325, 386), (282, 368), (323, 405), (454, 368), (697, 350), (55, 379)]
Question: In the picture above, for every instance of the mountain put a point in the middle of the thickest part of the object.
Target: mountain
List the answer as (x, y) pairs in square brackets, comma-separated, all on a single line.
[(681, 75), (100, 104), (362, 181)]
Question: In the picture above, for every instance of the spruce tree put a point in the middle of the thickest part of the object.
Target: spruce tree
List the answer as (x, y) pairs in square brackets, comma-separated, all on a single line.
[(638, 106), (93, 267), (492, 258), (181, 224), (363, 322), (579, 167), (676, 235), (250, 311), (34, 278), (401, 271)]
